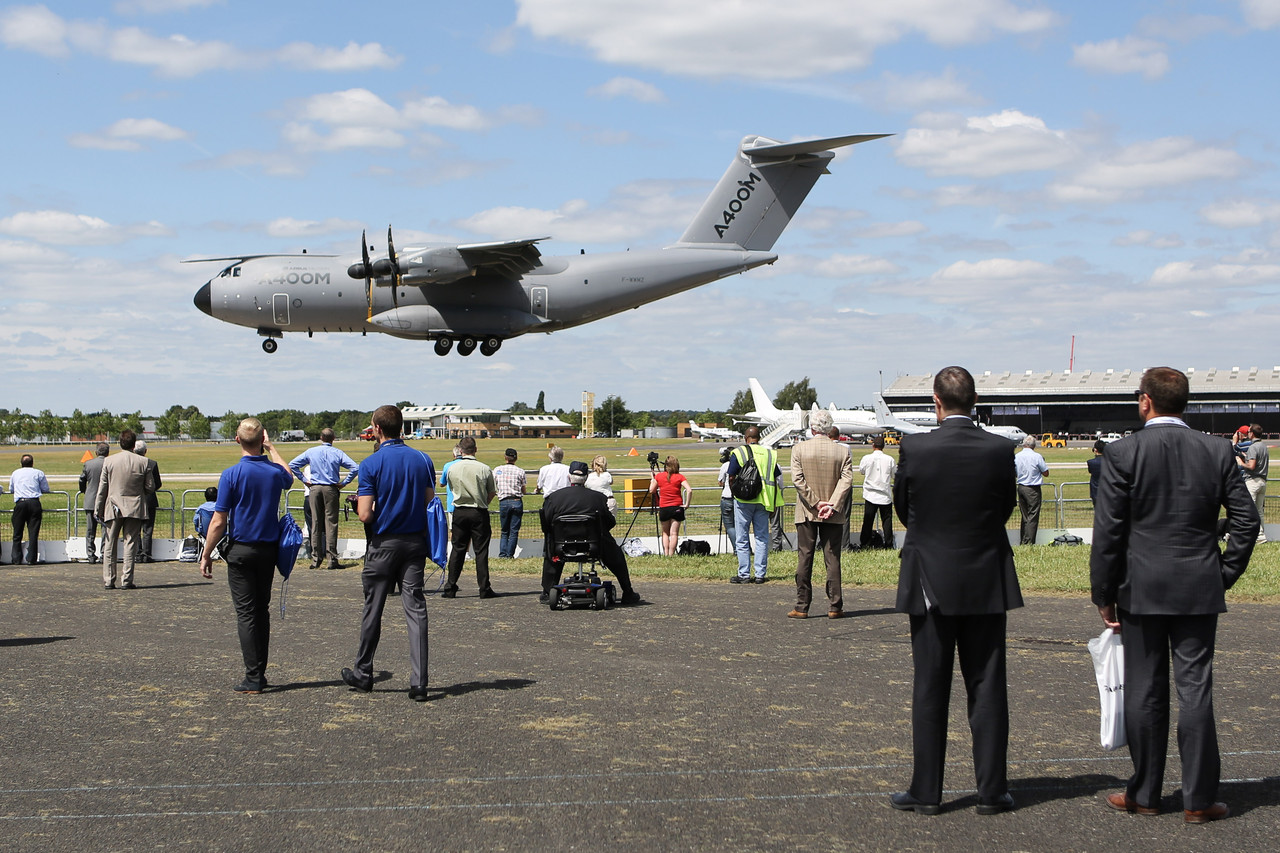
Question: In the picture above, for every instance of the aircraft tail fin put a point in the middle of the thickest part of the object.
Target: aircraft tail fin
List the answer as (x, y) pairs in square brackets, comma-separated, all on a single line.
[(886, 419), (759, 398), (762, 189)]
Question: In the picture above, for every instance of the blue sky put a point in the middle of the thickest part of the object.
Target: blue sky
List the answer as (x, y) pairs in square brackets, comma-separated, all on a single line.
[(1101, 170)]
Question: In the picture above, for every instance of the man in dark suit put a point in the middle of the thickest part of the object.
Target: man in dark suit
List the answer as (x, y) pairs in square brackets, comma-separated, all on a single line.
[(1158, 576), (954, 492), (577, 499)]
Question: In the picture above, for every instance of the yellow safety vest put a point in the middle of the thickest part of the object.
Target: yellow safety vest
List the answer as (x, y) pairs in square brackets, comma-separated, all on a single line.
[(770, 495)]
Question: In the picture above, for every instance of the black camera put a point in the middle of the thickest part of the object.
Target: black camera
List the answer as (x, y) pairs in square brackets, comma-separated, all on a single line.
[(653, 458)]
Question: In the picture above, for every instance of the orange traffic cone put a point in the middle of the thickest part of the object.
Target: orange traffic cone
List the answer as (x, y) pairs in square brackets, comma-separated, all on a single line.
[(88, 454), (634, 452)]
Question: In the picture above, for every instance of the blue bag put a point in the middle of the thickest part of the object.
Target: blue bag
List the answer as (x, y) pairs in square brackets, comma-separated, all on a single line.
[(290, 543)]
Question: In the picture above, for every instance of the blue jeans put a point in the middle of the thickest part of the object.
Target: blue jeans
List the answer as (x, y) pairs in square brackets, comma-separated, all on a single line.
[(751, 520), (510, 515)]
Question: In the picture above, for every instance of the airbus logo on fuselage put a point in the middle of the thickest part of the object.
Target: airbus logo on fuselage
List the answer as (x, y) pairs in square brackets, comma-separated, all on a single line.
[(745, 189)]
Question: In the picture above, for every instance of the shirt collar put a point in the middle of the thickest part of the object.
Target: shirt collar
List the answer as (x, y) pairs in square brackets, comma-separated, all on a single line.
[(1166, 420)]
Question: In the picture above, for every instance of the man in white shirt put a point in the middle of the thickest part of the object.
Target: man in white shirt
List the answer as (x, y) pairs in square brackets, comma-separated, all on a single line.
[(555, 475), (877, 469), (1031, 469), (27, 483)]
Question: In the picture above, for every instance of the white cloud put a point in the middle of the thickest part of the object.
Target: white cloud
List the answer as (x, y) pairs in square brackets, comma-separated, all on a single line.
[(1150, 239), (757, 39), (919, 91), (845, 266), (1208, 276), (1166, 162), (287, 227), (357, 118), (1128, 55), (72, 229), (36, 29), (1006, 270), (985, 146), (156, 7), (1241, 213), (629, 87), (127, 134), (1261, 14)]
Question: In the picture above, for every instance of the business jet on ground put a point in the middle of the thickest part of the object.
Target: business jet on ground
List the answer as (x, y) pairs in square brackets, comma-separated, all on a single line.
[(715, 433), (480, 294), (888, 420), (778, 426)]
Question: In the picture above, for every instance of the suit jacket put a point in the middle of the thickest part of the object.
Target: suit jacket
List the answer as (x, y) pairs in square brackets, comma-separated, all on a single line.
[(89, 478), (575, 500), (822, 471), (954, 492), (124, 487), (153, 471), (1155, 543)]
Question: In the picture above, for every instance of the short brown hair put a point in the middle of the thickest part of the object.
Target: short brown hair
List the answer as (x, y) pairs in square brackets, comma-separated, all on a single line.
[(1168, 389), (128, 438), (467, 444), (389, 419), (953, 386)]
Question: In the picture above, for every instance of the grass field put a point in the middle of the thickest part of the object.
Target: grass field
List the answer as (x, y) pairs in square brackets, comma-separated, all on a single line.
[(187, 468)]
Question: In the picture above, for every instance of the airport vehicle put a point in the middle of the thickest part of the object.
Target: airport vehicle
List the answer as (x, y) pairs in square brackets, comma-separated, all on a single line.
[(1048, 439), (480, 294), (292, 435), (888, 420), (367, 434)]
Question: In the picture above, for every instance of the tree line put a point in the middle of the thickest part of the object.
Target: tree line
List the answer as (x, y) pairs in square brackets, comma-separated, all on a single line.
[(180, 422)]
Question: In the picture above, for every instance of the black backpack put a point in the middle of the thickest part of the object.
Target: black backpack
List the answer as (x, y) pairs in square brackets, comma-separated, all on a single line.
[(748, 483)]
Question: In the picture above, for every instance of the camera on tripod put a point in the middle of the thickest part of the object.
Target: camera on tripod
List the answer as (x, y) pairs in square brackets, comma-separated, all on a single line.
[(653, 459)]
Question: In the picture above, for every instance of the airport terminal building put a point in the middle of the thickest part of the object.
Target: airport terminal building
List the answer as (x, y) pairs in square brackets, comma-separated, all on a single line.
[(1087, 402)]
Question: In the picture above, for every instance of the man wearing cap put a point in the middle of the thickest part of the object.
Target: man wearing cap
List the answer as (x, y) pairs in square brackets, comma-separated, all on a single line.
[(577, 499), (509, 479), (473, 490)]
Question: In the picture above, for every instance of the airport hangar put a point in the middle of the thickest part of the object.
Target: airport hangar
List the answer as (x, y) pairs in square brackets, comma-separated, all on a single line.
[(1087, 402)]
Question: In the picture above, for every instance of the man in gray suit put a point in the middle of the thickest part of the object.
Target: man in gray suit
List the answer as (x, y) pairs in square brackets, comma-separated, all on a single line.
[(1158, 576), (90, 475), (954, 493), (153, 503), (122, 504)]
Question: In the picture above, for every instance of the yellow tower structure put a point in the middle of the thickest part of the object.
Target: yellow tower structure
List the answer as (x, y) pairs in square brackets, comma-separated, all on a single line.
[(588, 414)]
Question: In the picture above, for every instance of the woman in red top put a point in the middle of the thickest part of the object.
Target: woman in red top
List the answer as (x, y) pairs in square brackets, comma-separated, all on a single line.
[(673, 493)]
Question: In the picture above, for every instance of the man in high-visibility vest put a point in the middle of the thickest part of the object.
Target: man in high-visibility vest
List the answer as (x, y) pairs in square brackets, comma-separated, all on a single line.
[(751, 515)]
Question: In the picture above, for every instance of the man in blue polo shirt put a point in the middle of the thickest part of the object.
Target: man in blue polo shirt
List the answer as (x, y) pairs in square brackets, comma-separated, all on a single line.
[(249, 494), (396, 484), (325, 498)]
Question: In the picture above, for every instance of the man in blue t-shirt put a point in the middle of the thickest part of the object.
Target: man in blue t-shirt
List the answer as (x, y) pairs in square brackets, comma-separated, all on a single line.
[(396, 484), (247, 512)]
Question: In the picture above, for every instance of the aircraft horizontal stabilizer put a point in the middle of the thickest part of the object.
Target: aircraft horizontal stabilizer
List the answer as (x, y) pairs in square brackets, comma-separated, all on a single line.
[(783, 150)]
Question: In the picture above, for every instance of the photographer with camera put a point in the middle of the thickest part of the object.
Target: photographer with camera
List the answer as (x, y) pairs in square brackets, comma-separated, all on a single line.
[(673, 494), (726, 496)]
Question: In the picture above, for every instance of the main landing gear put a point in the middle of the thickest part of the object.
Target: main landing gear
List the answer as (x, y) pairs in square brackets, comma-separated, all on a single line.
[(467, 345), (270, 345)]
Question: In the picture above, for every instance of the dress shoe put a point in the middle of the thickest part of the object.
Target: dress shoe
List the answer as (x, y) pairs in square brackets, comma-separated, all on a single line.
[(758, 580), (1122, 802), (108, 586), (739, 579), (364, 685), (629, 598), (449, 593), (315, 564), (834, 614), (797, 614), (545, 598), (250, 686), (335, 565), (1002, 803), (906, 803), (418, 694), (129, 585), (1217, 811), (488, 593)]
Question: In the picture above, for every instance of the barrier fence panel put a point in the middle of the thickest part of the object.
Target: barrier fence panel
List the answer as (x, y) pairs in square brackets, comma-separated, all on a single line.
[(62, 503)]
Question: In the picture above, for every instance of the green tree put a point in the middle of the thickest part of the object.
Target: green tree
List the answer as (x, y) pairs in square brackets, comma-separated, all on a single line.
[(542, 401), (132, 421), (405, 404), (106, 425), (520, 407), (230, 423), (51, 426), (22, 425), (612, 415), (796, 392), (641, 420), (169, 424), (80, 425), (742, 403), (198, 427)]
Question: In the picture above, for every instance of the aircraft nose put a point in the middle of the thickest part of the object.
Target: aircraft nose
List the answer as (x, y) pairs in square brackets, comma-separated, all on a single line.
[(203, 300)]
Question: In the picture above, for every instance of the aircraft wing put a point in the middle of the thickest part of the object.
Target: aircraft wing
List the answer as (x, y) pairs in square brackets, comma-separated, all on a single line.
[(510, 258)]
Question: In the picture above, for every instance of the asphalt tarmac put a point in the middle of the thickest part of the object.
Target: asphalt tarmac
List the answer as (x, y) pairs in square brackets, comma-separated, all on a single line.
[(701, 720)]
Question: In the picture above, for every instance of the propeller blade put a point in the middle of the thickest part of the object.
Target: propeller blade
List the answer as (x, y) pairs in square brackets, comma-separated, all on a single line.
[(395, 269), (368, 274)]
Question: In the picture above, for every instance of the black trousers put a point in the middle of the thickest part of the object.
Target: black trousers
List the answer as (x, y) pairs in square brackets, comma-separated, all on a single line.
[(251, 568), (471, 527), (869, 512), (1149, 641), (980, 641), (27, 514)]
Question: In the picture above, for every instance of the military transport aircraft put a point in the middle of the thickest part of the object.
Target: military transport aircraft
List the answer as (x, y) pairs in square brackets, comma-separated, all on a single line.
[(483, 293)]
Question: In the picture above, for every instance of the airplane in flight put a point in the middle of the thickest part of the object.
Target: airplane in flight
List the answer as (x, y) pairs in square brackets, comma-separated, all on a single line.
[(480, 294), (888, 420)]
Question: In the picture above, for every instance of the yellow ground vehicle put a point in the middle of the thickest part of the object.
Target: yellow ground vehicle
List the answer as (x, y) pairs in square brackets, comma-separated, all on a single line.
[(1049, 440)]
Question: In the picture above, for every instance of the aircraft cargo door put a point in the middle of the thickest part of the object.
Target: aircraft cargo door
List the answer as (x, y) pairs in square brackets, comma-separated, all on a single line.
[(280, 308), (538, 302)]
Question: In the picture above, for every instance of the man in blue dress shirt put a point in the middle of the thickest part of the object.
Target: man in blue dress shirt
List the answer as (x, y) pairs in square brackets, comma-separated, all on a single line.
[(324, 499), (27, 483)]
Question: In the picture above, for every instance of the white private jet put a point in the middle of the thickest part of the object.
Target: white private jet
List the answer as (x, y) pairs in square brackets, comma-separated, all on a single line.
[(849, 421), (888, 420), (715, 433)]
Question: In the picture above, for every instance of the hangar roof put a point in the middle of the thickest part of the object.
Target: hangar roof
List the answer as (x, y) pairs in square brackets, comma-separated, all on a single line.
[(1092, 382)]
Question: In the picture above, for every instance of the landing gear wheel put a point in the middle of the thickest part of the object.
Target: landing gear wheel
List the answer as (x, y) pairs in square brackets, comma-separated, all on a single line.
[(602, 599), (466, 345), (443, 345), (490, 345), (269, 345), (553, 598)]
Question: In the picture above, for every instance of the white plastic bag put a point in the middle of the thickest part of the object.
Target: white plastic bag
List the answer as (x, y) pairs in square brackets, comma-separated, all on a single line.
[(1107, 651)]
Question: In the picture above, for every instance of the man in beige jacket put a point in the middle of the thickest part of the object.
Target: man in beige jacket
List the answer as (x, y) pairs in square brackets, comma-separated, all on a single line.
[(823, 474), (122, 505)]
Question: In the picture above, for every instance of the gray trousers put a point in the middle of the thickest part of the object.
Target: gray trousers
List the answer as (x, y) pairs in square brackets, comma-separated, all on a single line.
[(324, 502), (1029, 505), (394, 559)]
